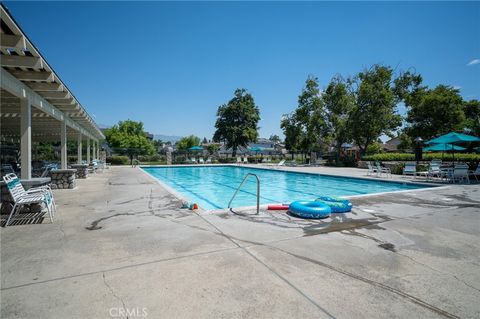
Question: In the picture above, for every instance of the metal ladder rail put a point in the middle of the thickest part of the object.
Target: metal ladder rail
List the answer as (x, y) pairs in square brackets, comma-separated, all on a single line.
[(240, 186)]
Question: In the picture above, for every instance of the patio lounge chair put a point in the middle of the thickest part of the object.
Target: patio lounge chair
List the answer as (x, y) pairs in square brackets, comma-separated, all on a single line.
[(245, 160), (239, 160), (383, 170), (475, 173), (371, 170), (21, 197), (433, 171), (208, 161), (281, 163), (201, 161), (98, 165), (193, 160), (460, 173), (410, 169)]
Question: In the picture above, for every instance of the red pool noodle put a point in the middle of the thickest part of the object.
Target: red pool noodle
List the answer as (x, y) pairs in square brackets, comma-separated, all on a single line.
[(277, 207)]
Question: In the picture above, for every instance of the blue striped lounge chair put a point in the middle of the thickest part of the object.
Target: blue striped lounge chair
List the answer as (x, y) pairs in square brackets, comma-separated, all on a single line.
[(21, 197)]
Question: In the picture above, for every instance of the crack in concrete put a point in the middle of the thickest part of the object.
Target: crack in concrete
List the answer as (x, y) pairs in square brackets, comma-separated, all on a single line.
[(113, 292), (409, 297), (117, 268), (285, 280), (439, 271)]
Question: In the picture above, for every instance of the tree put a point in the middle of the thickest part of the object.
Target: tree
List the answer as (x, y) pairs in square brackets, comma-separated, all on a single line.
[(275, 138), (212, 148), (406, 142), (204, 141), (188, 141), (339, 102), (129, 138), (375, 109), (292, 131), (237, 121), (472, 116), (435, 112), (157, 144), (310, 116)]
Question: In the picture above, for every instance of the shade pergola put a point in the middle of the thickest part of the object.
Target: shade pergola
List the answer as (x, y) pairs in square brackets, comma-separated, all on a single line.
[(35, 103)]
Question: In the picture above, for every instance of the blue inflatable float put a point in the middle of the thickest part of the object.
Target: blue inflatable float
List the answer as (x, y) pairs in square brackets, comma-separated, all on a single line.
[(307, 209), (337, 205)]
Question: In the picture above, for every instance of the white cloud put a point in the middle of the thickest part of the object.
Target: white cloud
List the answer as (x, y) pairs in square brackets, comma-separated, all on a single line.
[(473, 62), (457, 87)]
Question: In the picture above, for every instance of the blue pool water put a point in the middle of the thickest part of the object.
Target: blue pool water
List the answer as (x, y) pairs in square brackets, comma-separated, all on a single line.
[(213, 186)]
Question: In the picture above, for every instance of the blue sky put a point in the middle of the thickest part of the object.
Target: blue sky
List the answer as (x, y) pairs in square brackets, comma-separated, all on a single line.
[(170, 65)]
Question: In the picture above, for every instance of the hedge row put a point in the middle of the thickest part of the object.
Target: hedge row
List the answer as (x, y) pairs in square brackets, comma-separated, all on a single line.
[(386, 157), (118, 160)]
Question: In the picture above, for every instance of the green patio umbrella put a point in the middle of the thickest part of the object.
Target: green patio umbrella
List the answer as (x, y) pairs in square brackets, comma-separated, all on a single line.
[(443, 148), (453, 138), (256, 149), (196, 148)]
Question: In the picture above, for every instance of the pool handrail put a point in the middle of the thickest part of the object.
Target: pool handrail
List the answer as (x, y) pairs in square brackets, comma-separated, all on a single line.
[(240, 186)]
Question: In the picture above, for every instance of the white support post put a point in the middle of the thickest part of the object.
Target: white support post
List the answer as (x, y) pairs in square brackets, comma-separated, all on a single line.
[(94, 149), (88, 150), (79, 148), (63, 145), (26, 139), (98, 150)]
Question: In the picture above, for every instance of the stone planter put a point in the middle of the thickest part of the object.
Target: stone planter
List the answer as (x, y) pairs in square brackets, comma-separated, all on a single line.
[(63, 178), (362, 164), (82, 170)]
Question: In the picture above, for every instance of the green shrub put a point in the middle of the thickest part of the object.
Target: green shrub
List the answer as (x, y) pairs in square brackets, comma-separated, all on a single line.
[(386, 157), (397, 169), (459, 157), (151, 158), (179, 160), (227, 160), (118, 160)]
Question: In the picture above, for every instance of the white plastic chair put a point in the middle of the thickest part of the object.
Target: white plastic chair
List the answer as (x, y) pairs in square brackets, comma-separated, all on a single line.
[(460, 173), (371, 170), (383, 170), (201, 161), (21, 197), (475, 173)]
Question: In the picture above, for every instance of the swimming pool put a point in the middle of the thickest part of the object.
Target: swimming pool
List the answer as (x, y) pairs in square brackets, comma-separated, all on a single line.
[(212, 186)]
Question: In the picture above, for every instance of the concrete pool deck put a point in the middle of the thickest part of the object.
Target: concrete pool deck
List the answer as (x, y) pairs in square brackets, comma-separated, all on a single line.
[(121, 245)]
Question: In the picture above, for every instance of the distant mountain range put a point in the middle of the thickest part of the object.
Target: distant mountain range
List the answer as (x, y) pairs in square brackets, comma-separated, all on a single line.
[(167, 138)]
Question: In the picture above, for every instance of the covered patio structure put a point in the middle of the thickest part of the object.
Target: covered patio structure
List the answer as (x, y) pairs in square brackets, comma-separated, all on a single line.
[(36, 105)]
